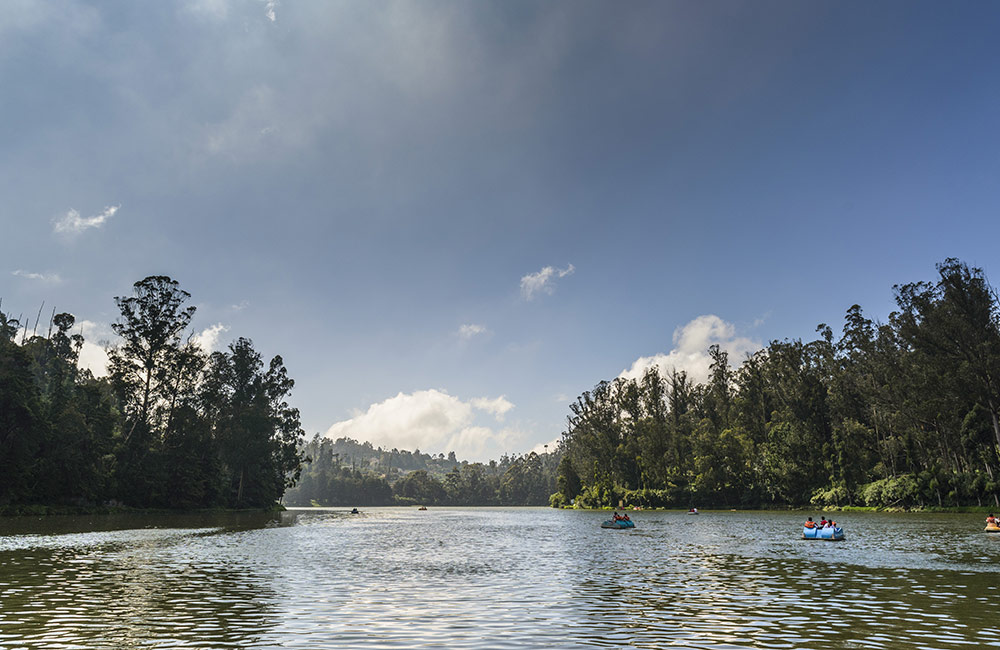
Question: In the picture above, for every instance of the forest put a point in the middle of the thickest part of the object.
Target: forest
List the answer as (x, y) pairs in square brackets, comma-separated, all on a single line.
[(892, 415), (169, 427), (345, 472), (901, 414)]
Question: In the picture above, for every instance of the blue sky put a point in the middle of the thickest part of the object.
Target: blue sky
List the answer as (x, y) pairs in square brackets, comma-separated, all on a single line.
[(451, 218)]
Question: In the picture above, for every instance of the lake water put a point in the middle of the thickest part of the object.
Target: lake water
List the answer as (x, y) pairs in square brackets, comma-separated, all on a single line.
[(489, 578)]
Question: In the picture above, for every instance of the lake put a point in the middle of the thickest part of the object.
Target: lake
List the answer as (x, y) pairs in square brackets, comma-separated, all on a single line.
[(489, 578)]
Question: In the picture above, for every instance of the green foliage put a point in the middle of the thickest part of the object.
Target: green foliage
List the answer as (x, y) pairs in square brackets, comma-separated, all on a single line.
[(163, 430), (903, 414)]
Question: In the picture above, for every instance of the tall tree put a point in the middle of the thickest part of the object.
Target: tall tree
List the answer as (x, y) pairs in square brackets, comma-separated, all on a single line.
[(151, 327), (258, 434)]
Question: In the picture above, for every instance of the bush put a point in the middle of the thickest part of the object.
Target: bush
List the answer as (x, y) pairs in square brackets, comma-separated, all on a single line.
[(835, 496), (892, 491)]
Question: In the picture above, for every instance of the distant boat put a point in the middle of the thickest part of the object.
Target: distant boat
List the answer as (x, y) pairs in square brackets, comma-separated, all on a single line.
[(422, 508), (621, 523), (355, 511), (826, 534), (693, 511)]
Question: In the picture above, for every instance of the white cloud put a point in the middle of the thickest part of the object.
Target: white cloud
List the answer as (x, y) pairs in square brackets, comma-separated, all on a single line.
[(429, 420), (269, 6), (73, 223), (208, 338), (43, 277), (545, 447), (498, 407), (471, 330), (93, 355), (690, 353), (534, 284)]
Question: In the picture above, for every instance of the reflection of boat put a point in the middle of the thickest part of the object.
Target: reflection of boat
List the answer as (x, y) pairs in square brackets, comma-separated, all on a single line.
[(827, 534), (621, 523), (992, 528)]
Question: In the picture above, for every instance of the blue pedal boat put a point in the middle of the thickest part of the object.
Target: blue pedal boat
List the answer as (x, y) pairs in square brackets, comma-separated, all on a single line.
[(610, 523), (827, 534)]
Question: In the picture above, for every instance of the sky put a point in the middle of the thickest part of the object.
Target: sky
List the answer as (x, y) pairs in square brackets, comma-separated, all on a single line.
[(451, 218)]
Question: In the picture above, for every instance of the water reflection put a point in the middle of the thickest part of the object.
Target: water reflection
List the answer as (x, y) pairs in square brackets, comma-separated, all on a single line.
[(131, 589), (504, 578)]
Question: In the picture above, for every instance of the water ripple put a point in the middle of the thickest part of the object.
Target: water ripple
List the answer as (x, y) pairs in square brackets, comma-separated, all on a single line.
[(503, 578)]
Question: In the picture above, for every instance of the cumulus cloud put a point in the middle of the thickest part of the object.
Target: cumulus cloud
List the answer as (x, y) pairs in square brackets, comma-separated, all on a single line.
[(498, 406), (73, 223), (534, 284), (95, 337), (471, 330), (429, 420), (208, 338), (690, 353), (269, 7), (41, 277)]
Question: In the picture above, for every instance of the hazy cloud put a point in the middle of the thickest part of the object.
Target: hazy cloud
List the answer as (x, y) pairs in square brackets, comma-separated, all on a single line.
[(42, 277), (73, 223), (471, 330), (429, 420), (690, 353), (543, 281)]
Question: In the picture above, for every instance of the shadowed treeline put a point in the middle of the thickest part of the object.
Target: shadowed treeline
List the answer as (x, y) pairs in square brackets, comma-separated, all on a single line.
[(895, 414), (170, 426)]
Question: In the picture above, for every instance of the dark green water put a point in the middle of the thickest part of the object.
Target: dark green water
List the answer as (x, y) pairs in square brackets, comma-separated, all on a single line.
[(497, 578)]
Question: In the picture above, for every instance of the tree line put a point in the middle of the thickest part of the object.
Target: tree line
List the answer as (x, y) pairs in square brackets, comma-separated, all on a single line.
[(898, 414), (169, 427), (345, 472)]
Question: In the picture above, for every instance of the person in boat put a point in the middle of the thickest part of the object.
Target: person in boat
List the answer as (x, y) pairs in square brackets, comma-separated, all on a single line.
[(625, 517), (991, 520), (830, 524), (354, 511), (823, 522), (616, 516), (809, 523)]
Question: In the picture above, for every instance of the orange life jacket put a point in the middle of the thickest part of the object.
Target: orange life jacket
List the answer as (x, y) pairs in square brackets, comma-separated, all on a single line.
[(810, 524)]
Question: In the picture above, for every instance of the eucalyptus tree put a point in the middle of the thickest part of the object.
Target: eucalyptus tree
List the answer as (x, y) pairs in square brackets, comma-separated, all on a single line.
[(954, 325), (258, 434), (153, 321), (20, 417)]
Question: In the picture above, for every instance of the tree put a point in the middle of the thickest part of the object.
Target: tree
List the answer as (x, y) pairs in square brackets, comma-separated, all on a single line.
[(151, 327), (257, 433), (567, 480)]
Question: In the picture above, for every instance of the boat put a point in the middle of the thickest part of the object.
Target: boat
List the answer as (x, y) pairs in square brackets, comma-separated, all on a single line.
[(693, 511), (422, 508), (621, 523), (835, 534), (992, 528)]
